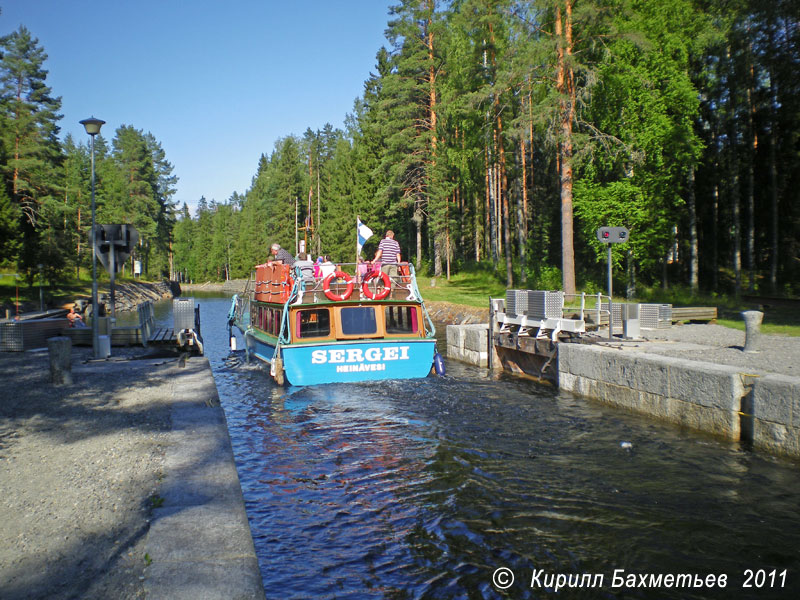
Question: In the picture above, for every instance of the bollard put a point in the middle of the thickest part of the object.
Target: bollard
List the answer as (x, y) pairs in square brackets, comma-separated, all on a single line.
[(630, 322), (103, 346), (752, 329), (60, 351)]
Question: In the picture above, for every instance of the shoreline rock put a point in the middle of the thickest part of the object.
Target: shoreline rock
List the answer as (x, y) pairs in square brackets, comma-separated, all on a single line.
[(129, 294)]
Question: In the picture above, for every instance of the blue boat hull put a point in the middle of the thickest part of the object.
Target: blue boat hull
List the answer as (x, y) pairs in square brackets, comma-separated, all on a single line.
[(345, 362)]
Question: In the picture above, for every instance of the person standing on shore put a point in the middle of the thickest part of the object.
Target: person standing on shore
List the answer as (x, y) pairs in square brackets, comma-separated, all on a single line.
[(388, 254)]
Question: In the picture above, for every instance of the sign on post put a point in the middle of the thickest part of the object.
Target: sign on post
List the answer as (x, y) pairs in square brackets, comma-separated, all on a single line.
[(114, 244), (611, 235)]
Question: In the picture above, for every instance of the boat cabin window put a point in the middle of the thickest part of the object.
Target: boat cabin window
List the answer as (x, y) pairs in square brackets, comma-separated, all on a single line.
[(267, 319), (401, 319), (313, 323), (358, 320)]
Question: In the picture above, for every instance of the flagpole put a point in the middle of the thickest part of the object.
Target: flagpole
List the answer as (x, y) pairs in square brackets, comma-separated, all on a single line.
[(358, 220)]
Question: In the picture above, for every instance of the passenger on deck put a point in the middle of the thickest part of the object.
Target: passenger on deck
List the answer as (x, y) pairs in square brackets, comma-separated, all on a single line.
[(281, 255), (327, 267), (361, 270), (306, 266), (388, 254), (74, 318)]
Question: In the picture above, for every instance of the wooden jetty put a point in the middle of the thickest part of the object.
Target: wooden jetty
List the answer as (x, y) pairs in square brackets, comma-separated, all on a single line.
[(33, 329)]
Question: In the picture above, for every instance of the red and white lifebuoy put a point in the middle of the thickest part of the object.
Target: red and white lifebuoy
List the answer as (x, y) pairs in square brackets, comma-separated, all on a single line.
[(387, 285), (326, 286)]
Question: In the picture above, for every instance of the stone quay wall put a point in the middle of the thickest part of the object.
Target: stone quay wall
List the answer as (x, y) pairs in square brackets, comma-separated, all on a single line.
[(721, 399), (469, 343)]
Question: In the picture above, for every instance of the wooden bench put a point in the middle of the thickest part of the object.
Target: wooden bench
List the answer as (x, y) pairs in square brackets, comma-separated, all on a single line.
[(693, 314), (147, 320)]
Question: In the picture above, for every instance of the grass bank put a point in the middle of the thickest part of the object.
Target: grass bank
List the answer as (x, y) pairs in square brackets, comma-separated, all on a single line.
[(475, 289)]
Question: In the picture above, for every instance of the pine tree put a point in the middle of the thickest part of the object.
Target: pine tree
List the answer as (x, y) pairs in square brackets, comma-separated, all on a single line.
[(183, 247), (409, 99), (30, 132), (30, 145), (136, 202)]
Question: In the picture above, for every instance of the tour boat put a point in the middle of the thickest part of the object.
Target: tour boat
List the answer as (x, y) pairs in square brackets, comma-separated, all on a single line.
[(354, 324)]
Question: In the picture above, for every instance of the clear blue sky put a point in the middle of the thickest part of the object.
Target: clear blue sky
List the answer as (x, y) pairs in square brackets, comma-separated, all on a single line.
[(216, 82)]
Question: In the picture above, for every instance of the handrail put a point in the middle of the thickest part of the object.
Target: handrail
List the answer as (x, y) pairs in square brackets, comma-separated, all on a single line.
[(398, 281)]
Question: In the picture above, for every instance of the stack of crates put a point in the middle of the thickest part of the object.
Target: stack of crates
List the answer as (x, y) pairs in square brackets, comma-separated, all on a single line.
[(535, 304), (655, 316), (616, 310), (183, 313), (544, 305), (651, 316), (11, 337), (511, 302)]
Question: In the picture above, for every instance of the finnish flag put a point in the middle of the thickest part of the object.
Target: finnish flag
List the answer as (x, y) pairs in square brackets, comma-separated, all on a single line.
[(364, 233)]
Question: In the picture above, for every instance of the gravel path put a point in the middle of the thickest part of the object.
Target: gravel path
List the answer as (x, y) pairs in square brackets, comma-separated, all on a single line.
[(79, 467)]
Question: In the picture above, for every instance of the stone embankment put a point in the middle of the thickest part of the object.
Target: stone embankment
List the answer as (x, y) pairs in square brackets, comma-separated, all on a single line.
[(457, 314), (129, 294), (232, 286)]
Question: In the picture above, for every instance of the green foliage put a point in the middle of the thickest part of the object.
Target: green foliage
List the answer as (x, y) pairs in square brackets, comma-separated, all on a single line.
[(685, 124), (10, 241), (545, 278)]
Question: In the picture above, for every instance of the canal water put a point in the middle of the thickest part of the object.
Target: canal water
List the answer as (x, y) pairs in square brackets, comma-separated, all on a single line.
[(454, 487)]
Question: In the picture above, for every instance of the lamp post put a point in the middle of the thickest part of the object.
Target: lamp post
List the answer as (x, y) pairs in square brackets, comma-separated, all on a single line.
[(92, 127)]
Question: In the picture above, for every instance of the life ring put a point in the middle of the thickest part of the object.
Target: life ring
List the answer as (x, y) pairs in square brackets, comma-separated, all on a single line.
[(387, 285), (326, 286)]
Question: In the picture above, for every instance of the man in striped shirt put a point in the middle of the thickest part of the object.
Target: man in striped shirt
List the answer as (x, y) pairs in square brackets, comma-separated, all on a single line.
[(388, 254)]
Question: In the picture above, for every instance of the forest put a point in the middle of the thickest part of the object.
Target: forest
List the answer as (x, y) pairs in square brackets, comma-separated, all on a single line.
[(491, 134)]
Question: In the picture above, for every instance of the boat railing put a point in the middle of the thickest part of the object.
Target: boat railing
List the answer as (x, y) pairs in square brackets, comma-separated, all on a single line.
[(346, 281)]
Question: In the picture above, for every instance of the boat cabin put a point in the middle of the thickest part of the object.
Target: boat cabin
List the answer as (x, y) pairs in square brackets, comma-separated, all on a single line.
[(345, 321)]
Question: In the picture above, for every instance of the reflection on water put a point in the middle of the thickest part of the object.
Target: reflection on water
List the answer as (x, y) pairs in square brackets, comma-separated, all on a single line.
[(421, 489)]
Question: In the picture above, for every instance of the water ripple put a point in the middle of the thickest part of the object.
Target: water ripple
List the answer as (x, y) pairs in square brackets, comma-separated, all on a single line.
[(422, 489)]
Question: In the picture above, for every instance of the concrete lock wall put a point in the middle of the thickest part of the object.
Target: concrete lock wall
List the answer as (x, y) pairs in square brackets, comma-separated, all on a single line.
[(469, 343), (776, 413), (718, 399), (704, 396)]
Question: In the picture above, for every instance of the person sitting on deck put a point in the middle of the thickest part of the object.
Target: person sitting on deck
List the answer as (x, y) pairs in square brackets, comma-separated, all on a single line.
[(74, 318), (306, 266), (281, 255)]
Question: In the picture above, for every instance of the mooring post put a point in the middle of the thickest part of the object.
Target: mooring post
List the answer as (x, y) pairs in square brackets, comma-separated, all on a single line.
[(490, 336), (752, 329), (60, 351)]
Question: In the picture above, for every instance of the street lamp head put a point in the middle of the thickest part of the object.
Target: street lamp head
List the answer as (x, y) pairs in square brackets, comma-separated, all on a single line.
[(92, 125)]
